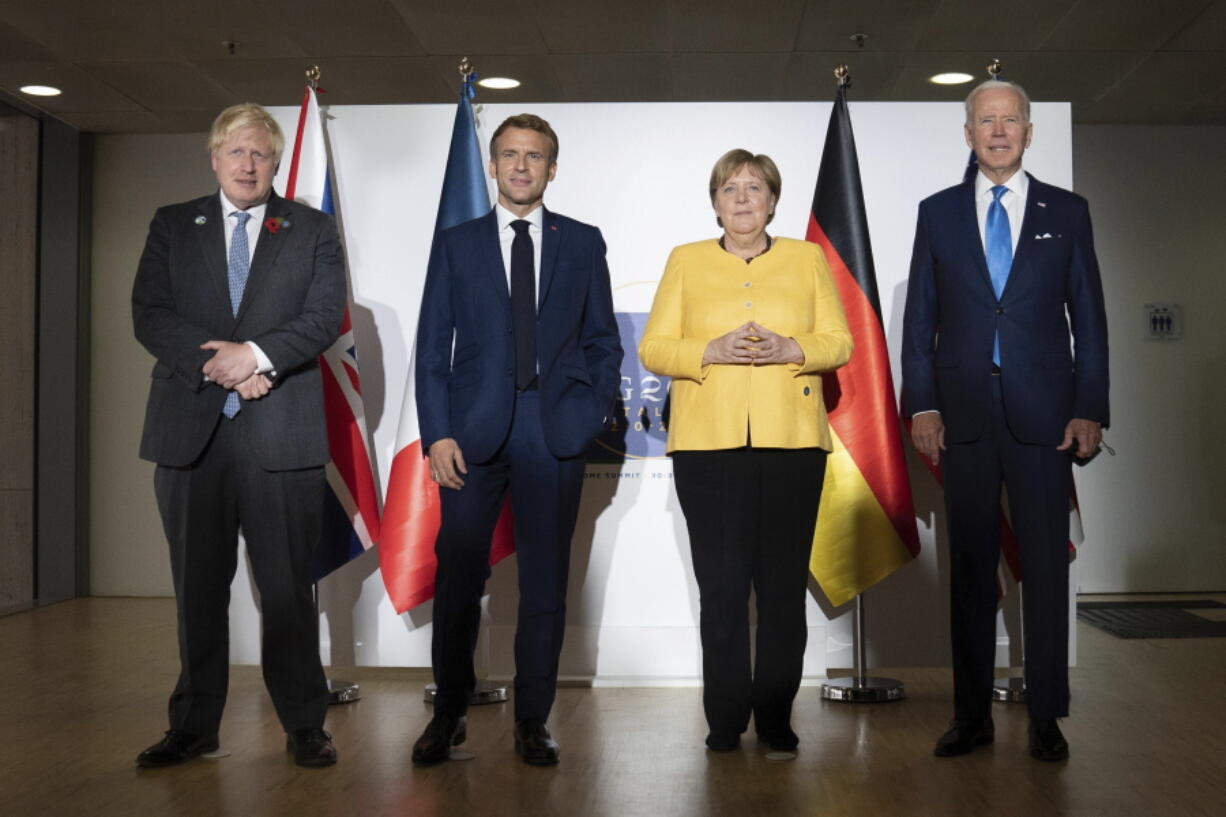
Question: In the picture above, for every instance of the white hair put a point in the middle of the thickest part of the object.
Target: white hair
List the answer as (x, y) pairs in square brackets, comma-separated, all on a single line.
[(991, 85)]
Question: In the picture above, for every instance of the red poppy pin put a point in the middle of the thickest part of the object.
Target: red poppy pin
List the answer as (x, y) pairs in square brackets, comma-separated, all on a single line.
[(275, 223)]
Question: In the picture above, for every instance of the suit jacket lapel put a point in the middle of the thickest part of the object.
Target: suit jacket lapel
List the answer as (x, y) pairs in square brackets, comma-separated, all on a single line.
[(551, 239), (211, 233), (1025, 240), (267, 248), (498, 275), (968, 214)]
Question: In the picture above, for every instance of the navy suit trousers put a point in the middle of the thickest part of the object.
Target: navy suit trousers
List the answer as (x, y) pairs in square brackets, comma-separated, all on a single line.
[(544, 493), (1036, 479)]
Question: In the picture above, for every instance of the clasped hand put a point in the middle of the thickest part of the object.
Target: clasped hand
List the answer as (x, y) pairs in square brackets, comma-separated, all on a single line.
[(754, 344), (233, 366)]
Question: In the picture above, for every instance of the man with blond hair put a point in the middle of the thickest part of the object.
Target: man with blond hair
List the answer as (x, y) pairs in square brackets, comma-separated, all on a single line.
[(236, 295)]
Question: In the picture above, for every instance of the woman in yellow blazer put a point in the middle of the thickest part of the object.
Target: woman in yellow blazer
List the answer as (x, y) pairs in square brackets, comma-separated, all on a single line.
[(744, 325)]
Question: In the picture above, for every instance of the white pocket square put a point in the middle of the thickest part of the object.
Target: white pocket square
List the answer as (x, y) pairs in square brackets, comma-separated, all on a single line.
[(1038, 237)]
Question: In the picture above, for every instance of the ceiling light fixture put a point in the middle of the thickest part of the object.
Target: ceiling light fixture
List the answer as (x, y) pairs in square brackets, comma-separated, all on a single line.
[(40, 90), (950, 78), (498, 83)]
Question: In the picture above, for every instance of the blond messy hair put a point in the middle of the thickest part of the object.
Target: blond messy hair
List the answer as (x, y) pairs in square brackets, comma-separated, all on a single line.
[(246, 115)]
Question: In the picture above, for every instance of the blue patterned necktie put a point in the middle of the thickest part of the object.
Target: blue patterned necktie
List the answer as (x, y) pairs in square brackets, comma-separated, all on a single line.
[(999, 251), (237, 267)]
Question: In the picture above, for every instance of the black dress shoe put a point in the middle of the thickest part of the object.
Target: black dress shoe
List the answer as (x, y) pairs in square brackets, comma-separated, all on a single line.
[(779, 740), (965, 735), (535, 745), (443, 732), (176, 747), (723, 742), (1046, 741), (312, 747)]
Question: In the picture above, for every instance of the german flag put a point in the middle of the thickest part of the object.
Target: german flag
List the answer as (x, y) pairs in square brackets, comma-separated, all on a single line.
[(866, 527)]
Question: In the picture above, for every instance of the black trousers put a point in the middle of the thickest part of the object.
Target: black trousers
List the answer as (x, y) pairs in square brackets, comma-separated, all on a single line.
[(751, 514), (203, 507), (1036, 479), (545, 501)]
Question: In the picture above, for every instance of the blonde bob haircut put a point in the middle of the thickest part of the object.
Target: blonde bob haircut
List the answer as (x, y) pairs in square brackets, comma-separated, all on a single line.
[(758, 164), (246, 115)]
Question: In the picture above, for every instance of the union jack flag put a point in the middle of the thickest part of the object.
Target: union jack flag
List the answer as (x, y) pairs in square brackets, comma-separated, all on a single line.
[(352, 501)]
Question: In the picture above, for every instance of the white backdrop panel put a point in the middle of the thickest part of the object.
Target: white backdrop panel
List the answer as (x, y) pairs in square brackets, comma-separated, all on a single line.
[(639, 171)]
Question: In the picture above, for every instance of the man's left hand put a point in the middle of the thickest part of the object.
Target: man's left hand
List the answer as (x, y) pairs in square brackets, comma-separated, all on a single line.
[(254, 387), (232, 364), (1088, 435)]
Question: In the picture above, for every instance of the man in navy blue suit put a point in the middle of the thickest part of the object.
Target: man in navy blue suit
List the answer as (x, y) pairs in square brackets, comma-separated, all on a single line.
[(518, 364), (1003, 276)]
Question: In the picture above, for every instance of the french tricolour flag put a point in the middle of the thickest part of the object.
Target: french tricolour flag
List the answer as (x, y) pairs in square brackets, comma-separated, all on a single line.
[(411, 520), (351, 503)]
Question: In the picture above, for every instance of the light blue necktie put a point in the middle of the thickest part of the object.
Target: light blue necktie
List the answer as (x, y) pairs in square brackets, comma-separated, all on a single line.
[(999, 251), (237, 267)]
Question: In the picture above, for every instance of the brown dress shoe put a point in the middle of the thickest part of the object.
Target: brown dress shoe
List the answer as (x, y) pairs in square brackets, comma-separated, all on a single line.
[(311, 747), (443, 732)]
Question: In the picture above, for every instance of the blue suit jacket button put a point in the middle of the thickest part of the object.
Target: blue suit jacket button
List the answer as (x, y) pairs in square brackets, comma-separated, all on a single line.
[(1000, 310)]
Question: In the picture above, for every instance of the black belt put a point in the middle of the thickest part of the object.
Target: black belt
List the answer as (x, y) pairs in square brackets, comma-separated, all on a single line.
[(995, 369)]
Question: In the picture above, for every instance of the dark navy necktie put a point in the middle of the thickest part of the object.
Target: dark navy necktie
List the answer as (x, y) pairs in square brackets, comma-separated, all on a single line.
[(237, 267), (523, 304), (999, 251)]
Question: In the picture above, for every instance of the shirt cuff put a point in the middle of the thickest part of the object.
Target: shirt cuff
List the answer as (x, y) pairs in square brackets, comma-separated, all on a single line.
[(262, 364), (929, 411)]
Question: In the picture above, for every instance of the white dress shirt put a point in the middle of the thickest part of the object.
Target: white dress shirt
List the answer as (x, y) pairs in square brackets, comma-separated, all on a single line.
[(506, 235), (1014, 203), (262, 364)]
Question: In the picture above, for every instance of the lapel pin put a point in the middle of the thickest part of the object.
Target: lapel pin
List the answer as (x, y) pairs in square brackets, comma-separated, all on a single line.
[(1041, 203), (553, 227), (200, 221)]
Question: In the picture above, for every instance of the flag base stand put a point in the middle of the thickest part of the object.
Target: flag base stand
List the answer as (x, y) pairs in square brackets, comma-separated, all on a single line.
[(343, 692), (487, 692), (861, 688), (864, 690), (1010, 691)]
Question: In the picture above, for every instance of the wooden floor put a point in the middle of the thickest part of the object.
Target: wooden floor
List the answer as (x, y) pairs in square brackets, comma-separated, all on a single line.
[(84, 686)]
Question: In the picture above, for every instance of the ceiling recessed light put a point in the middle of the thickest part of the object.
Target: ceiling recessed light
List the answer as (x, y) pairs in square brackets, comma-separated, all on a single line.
[(40, 90), (950, 78), (498, 83)]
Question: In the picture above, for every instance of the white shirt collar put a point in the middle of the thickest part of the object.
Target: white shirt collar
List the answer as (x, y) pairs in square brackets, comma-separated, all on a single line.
[(1018, 184), (228, 207), (535, 218)]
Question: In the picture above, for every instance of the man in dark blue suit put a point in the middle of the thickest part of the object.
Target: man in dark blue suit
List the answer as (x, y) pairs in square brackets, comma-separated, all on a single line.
[(1003, 276), (518, 364)]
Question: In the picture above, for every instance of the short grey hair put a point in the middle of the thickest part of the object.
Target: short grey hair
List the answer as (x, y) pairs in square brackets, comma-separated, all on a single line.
[(992, 85)]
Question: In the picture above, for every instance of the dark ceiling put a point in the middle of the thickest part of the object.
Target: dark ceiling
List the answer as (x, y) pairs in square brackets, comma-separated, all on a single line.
[(150, 66)]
